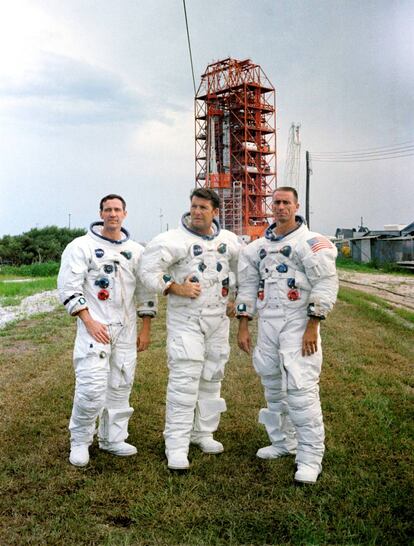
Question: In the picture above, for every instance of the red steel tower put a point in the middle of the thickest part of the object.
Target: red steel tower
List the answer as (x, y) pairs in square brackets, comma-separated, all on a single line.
[(235, 149)]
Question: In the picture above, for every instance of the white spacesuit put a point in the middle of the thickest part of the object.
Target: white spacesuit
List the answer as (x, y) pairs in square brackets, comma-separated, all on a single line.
[(101, 275), (286, 280), (198, 329)]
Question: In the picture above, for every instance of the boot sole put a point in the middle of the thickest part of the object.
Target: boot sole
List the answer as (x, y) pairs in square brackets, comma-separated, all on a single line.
[(208, 452), (286, 454), (178, 468), (275, 457), (302, 482), (118, 454), (307, 482), (79, 465)]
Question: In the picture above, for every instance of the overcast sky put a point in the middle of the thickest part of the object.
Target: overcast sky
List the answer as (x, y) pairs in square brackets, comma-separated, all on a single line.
[(96, 96)]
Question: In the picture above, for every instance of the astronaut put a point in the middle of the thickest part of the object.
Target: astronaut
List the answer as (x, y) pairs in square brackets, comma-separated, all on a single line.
[(288, 277), (98, 283), (196, 266)]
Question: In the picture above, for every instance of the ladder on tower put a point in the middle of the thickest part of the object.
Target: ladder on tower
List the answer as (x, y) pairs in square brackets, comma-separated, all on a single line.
[(231, 208)]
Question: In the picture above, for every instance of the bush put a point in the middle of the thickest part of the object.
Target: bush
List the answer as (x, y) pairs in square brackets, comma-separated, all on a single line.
[(37, 245)]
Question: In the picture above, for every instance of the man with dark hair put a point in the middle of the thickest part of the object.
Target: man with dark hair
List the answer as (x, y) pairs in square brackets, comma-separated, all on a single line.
[(206, 193), (110, 197), (196, 266), (289, 190), (289, 278), (98, 283)]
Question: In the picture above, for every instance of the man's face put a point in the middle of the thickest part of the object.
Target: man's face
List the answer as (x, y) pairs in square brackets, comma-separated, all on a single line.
[(112, 214), (284, 207), (202, 214)]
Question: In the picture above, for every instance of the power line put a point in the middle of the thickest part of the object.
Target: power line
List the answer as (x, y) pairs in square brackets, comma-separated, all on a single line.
[(405, 149), (355, 160), (350, 155), (370, 150), (189, 47)]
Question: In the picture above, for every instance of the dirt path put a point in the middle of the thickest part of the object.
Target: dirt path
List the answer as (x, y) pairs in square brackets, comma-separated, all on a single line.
[(396, 289)]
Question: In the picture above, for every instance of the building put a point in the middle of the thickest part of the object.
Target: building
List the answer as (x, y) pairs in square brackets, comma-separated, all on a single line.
[(392, 245)]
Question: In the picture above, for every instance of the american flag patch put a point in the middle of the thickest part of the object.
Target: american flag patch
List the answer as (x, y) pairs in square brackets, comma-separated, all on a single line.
[(318, 243)]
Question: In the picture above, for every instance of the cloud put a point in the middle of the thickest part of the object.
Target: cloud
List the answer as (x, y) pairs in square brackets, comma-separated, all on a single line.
[(170, 138), (61, 89)]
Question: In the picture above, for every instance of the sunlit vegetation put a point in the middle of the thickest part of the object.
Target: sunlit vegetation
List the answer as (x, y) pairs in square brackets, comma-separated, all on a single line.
[(364, 495)]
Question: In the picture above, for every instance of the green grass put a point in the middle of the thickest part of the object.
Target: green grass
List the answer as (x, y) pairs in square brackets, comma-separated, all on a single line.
[(45, 269), (12, 293), (350, 265), (371, 267), (364, 495), (376, 307)]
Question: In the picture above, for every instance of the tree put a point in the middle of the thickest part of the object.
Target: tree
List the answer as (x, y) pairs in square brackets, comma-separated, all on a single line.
[(37, 245)]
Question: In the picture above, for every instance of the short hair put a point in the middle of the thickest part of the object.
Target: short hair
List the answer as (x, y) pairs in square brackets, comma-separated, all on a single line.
[(287, 188), (112, 196), (207, 193)]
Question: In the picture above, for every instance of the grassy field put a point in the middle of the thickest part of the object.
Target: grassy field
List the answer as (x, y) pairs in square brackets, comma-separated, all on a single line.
[(31, 279), (12, 293), (364, 495), (45, 269)]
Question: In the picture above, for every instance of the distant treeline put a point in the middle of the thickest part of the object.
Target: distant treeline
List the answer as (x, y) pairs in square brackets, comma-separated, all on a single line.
[(37, 245)]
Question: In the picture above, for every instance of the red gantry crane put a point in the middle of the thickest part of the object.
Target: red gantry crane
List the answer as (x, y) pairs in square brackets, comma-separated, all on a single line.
[(235, 147)]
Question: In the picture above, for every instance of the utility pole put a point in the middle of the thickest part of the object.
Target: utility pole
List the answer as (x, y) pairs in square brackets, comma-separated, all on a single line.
[(307, 215), (69, 215), (161, 217)]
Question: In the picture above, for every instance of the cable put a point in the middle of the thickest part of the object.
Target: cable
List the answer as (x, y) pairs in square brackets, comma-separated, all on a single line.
[(404, 149), (363, 154), (367, 152), (379, 149), (189, 47), (356, 160)]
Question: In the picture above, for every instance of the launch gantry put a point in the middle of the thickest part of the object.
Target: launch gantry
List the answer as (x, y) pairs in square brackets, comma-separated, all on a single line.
[(235, 150)]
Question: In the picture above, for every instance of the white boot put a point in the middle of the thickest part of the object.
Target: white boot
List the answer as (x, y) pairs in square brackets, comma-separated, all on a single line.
[(274, 452), (207, 444), (177, 459), (79, 454), (307, 473), (122, 449)]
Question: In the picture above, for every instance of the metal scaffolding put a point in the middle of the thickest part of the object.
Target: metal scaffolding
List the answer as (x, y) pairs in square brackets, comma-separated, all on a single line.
[(235, 143), (292, 165)]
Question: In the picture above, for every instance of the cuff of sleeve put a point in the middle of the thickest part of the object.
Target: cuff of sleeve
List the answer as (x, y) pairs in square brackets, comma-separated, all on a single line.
[(77, 305), (148, 308), (166, 282), (147, 313), (316, 311), (166, 288), (244, 310)]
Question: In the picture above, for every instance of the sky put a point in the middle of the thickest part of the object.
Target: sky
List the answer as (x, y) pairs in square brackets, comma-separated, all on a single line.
[(97, 97)]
